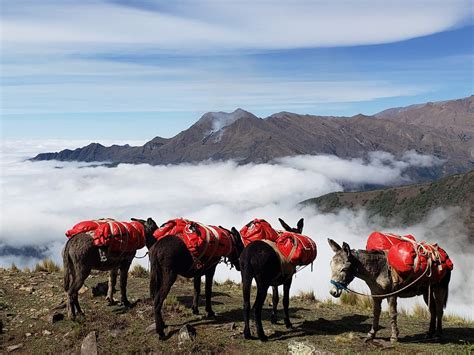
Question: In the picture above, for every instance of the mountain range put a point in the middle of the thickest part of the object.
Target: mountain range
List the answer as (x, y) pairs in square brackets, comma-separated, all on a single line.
[(442, 129)]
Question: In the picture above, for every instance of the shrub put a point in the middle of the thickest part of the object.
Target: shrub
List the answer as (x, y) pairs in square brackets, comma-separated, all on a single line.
[(420, 311), (351, 299), (47, 265), (139, 271), (306, 296), (14, 268)]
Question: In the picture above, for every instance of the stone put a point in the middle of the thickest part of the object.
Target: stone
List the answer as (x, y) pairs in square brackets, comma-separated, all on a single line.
[(46, 332), (83, 289), (232, 326), (304, 348), (14, 347), (28, 335), (56, 317), (186, 334), (89, 344), (28, 289), (100, 289)]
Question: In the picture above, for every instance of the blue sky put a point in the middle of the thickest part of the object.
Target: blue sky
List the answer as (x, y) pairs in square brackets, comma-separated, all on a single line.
[(112, 70)]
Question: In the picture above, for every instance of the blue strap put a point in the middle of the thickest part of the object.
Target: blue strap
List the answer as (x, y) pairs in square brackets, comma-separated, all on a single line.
[(339, 286)]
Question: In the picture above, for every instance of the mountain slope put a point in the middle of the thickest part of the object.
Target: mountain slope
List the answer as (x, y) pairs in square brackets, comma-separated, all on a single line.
[(408, 204), (242, 136)]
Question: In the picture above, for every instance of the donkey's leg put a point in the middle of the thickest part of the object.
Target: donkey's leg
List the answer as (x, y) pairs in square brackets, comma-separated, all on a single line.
[(111, 286), (196, 294), (275, 300), (81, 275), (262, 290), (286, 302), (392, 309), (124, 267), (209, 278), (430, 301), (439, 295), (246, 288), (167, 277), (375, 322)]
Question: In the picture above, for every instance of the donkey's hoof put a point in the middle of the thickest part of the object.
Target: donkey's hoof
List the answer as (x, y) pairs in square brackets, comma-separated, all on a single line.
[(162, 336), (429, 335), (263, 337), (195, 310), (394, 340), (126, 304), (211, 315), (368, 338), (288, 325), (111, 301), (273, 319)]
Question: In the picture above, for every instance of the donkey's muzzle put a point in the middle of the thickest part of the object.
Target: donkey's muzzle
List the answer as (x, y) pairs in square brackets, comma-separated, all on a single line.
[(335, 292)]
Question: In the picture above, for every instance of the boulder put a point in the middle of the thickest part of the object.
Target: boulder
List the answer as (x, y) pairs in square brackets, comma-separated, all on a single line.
[(89, 344)]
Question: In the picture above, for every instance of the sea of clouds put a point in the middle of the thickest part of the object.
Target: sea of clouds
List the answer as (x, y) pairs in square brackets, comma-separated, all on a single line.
[(41, 200)]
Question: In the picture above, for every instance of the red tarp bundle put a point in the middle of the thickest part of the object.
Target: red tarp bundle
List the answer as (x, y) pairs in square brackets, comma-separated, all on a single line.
[(297, 249), (384, 241), (258, 229), (209, 242), (409, 257), (119, 237)]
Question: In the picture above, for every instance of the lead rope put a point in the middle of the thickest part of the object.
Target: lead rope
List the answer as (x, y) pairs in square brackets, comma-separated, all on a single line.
[(344, 287)]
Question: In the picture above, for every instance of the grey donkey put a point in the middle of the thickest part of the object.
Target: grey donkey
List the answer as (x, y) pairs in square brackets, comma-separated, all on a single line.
[(373, 268), (80, 256)]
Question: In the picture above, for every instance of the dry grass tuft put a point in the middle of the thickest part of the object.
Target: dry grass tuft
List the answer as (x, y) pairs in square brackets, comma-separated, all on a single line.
[(351, 299), (47, 265), (26, 269), (172, 304), (139, 271), (458, 320), (420, 311), (345, 338), (305, 296), (14, 268)]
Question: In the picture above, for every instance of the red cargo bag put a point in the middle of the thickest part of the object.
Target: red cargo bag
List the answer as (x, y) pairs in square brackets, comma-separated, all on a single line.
[(120, 236), (384, 241), (85, 226), (258, 229), (297, 249)]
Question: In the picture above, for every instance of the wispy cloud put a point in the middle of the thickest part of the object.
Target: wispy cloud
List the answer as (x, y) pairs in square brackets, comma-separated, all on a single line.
[(204, 25)]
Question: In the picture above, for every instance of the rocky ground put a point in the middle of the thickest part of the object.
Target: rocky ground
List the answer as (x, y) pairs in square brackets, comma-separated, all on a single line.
[(32, 316)]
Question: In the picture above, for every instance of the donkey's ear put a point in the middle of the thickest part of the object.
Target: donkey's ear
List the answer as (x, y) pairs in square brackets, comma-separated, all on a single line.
[(334, 246), (346, 248), (138, 220), (300, 225), (284, 225), (235, 232)]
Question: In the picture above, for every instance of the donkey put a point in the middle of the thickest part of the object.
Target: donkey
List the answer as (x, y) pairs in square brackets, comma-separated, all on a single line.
[(170, 257), (261, 261), (373, 268), (80, 256)]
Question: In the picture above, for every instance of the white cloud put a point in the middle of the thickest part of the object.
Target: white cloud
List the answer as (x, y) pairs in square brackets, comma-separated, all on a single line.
[(227, 25), (40, 200)]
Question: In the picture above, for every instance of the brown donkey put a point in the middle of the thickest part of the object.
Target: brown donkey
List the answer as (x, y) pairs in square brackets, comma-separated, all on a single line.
[(80, 256), (373, 268)]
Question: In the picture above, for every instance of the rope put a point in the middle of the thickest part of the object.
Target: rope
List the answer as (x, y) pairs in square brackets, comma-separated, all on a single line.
[(141, 257), (344, 287)]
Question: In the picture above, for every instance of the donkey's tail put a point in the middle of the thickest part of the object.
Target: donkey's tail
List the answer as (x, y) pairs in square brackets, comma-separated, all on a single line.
[(155, 276), (67, 266), (446, 280)]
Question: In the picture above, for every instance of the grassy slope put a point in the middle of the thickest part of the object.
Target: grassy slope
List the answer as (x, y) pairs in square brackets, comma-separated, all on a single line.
[(327, 326), (408, 204)]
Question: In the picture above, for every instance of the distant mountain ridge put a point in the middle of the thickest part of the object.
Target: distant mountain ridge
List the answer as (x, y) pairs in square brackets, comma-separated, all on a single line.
[(407, 204), (244, 137)]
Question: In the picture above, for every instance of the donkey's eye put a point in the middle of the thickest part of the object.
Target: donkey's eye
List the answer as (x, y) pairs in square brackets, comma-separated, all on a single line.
[(345, 269)]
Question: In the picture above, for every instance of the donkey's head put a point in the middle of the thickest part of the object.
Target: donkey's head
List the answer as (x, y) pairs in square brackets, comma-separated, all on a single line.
[(237, 247), (150, 227), (298, 229), (343, 267)]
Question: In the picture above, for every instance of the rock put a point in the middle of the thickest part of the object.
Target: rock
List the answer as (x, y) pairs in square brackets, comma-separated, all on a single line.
[(28, 289), (83, 289), (28, 335), (56, 317), (100, 289), (151, 328), (304, 348), (46, 332), (89, 344), (186, 334), (231, 326), (14, 347)]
